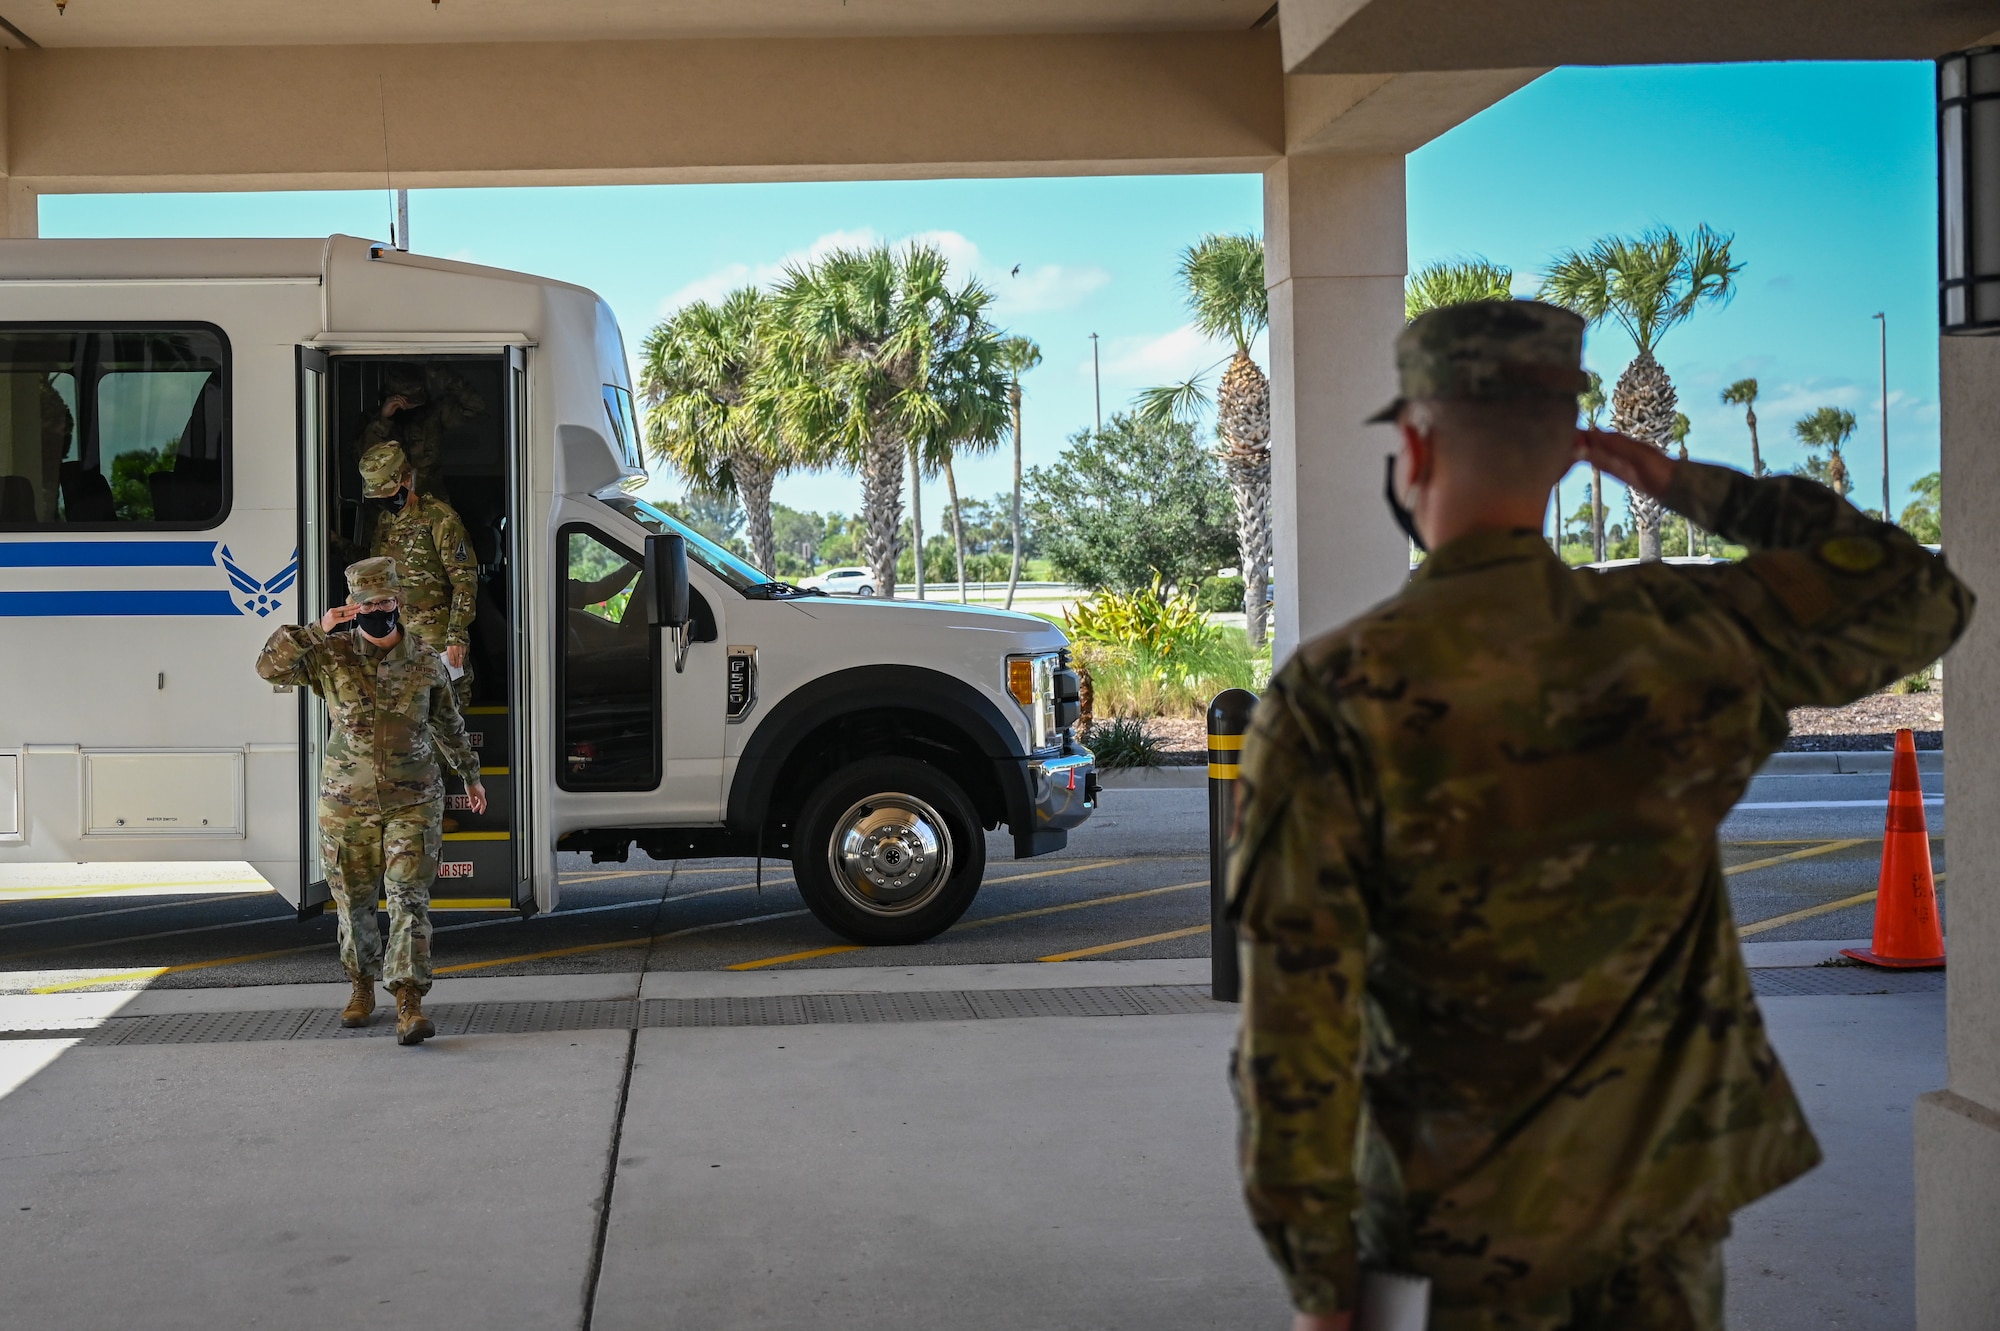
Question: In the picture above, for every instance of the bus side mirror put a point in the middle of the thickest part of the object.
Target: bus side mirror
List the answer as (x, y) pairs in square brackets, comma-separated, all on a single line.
[(667, 575)]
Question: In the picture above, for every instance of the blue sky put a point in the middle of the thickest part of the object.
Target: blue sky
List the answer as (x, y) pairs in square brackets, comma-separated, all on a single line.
[(1825, 174)]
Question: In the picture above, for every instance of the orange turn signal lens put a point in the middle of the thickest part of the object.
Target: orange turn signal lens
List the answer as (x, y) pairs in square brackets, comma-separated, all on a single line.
[(1021, 682)]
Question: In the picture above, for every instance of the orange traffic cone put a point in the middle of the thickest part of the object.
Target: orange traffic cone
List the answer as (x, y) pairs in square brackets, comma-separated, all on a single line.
[(1907, 936)]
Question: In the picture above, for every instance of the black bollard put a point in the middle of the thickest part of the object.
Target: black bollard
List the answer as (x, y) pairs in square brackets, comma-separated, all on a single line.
[(1228, 719)]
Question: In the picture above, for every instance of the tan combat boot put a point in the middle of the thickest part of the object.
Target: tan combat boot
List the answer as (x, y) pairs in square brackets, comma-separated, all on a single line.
[(412, 1026), (361, 1006)]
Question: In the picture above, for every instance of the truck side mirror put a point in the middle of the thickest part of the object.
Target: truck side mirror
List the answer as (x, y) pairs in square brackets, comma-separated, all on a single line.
[(667, 575)]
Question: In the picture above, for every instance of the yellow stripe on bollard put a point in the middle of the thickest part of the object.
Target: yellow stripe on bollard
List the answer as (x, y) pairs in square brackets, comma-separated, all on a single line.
[(1225, 741), (1222, 771)]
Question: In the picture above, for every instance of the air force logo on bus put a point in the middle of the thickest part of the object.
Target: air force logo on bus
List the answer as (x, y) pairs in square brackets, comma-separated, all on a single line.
[(71, 577)]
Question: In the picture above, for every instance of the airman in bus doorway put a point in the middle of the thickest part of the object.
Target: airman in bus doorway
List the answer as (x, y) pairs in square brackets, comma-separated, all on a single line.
[(426, 538), (381, 794), (423, 405)]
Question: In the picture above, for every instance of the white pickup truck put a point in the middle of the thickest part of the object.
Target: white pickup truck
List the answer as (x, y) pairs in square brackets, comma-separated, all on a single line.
[(180, 423)]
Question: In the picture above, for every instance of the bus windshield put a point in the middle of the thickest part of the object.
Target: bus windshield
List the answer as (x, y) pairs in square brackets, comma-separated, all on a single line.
[(736, 572)]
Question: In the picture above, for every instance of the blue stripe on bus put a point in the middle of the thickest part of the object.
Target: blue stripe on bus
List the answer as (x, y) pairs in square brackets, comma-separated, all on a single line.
[(107, 554), (63, 605)]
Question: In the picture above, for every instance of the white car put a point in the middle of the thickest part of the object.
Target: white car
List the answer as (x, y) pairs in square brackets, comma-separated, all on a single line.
[(841, 582)]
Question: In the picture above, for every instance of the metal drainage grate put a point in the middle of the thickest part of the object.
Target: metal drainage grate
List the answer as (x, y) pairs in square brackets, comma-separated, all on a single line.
[(1796, 981), (683, 1013)]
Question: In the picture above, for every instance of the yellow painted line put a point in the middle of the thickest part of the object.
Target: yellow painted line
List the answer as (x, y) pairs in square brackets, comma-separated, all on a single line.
[(1825, 848), (792, 956), (1222, 771), (1073, 905), (612, 947), (478, 836), (154, 972), (1056, 873), (492, 771), (1824, 908), (1225, 741), (1130, 942), (469, 903), (112, 889), (482, 711)]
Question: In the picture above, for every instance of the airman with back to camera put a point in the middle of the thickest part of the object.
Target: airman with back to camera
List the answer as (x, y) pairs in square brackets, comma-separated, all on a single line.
[(1497, 1029)]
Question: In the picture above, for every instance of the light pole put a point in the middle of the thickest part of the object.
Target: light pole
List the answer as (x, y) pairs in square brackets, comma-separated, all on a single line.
[(403, 220), (1096, 385), (1887, 516)]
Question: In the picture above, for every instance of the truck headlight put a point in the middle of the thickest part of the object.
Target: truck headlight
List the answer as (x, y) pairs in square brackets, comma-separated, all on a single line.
[(1031, 684)]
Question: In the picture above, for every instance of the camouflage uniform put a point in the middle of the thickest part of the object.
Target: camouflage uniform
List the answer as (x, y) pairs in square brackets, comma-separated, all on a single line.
[(427, 540), (440, 402), (1497, 1027), (381, 795)]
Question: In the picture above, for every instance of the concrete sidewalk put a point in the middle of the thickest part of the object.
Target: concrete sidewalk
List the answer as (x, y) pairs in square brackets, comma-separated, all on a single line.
[(875, 1168)]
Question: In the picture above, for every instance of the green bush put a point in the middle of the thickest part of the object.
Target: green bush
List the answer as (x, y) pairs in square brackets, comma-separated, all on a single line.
[(1221, 595), (1150, 655), (1122, 742)]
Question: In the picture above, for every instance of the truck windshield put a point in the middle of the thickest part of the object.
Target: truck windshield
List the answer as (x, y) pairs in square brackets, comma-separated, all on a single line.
[(736, 572)]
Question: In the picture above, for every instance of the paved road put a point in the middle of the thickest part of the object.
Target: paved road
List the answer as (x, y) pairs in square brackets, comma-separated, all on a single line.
[(1132, 885)]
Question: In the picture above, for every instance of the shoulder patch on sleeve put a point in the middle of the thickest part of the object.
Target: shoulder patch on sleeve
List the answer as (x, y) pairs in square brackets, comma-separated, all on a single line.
[(1851, 554), (1799, 586)]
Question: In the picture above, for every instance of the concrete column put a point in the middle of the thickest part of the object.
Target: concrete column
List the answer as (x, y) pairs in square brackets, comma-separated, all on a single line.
[(1334, 257), (1958, 1129)]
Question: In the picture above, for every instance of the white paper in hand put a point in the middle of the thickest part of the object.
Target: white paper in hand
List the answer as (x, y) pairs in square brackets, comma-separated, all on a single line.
[(1392, 1301), (456, 672)]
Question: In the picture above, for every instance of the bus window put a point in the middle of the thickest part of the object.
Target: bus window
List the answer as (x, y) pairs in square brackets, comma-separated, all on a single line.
[(111, 428), (608, 703)]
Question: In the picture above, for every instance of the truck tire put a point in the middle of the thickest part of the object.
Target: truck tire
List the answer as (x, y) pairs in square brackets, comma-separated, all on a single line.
[(888, 851)]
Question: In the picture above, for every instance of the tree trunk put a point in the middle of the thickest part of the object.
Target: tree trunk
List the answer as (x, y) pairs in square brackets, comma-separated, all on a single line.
[(917, 517), (1597, 512), (1243, 418), (882, 511), (1014, 573), (753, 483), (957, 530), (1642, 406), (1756, 457)]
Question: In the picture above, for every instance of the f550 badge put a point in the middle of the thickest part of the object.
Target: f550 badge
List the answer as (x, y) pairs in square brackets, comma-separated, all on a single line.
[(742, 694)]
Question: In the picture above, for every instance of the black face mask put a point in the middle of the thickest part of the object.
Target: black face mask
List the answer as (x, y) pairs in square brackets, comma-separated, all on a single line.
[(394, 503), (377, 623), (1400, 511)]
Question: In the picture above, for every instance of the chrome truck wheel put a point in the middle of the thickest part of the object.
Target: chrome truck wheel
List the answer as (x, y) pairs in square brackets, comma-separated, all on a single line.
[(888, 851)]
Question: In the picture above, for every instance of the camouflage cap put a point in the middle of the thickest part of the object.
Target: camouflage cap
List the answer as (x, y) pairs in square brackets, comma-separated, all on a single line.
[(373, 580), (382, 468), (1492, 350)]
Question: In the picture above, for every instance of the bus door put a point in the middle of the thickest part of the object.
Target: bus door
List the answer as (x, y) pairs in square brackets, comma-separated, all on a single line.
[(460, 419)]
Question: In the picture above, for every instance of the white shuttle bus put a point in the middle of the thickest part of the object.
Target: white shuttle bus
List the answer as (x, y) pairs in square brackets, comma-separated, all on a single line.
[(180, 425)]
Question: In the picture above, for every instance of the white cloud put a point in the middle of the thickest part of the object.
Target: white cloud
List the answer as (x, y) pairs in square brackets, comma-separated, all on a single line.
[(728, 278), (1046, 287), (1168, 358)]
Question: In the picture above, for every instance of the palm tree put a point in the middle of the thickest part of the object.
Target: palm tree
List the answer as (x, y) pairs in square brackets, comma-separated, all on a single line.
[(1828, 428), (1223, 277), (1018, 355), (1455, 282), (695, 377), (1743, 393), (874, 358), (1648, 285), (1591, 401)]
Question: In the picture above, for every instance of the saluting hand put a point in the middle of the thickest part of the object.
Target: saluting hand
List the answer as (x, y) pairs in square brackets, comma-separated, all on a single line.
[(394, 405), (475, 796), (1639, 465), (337, 616)]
